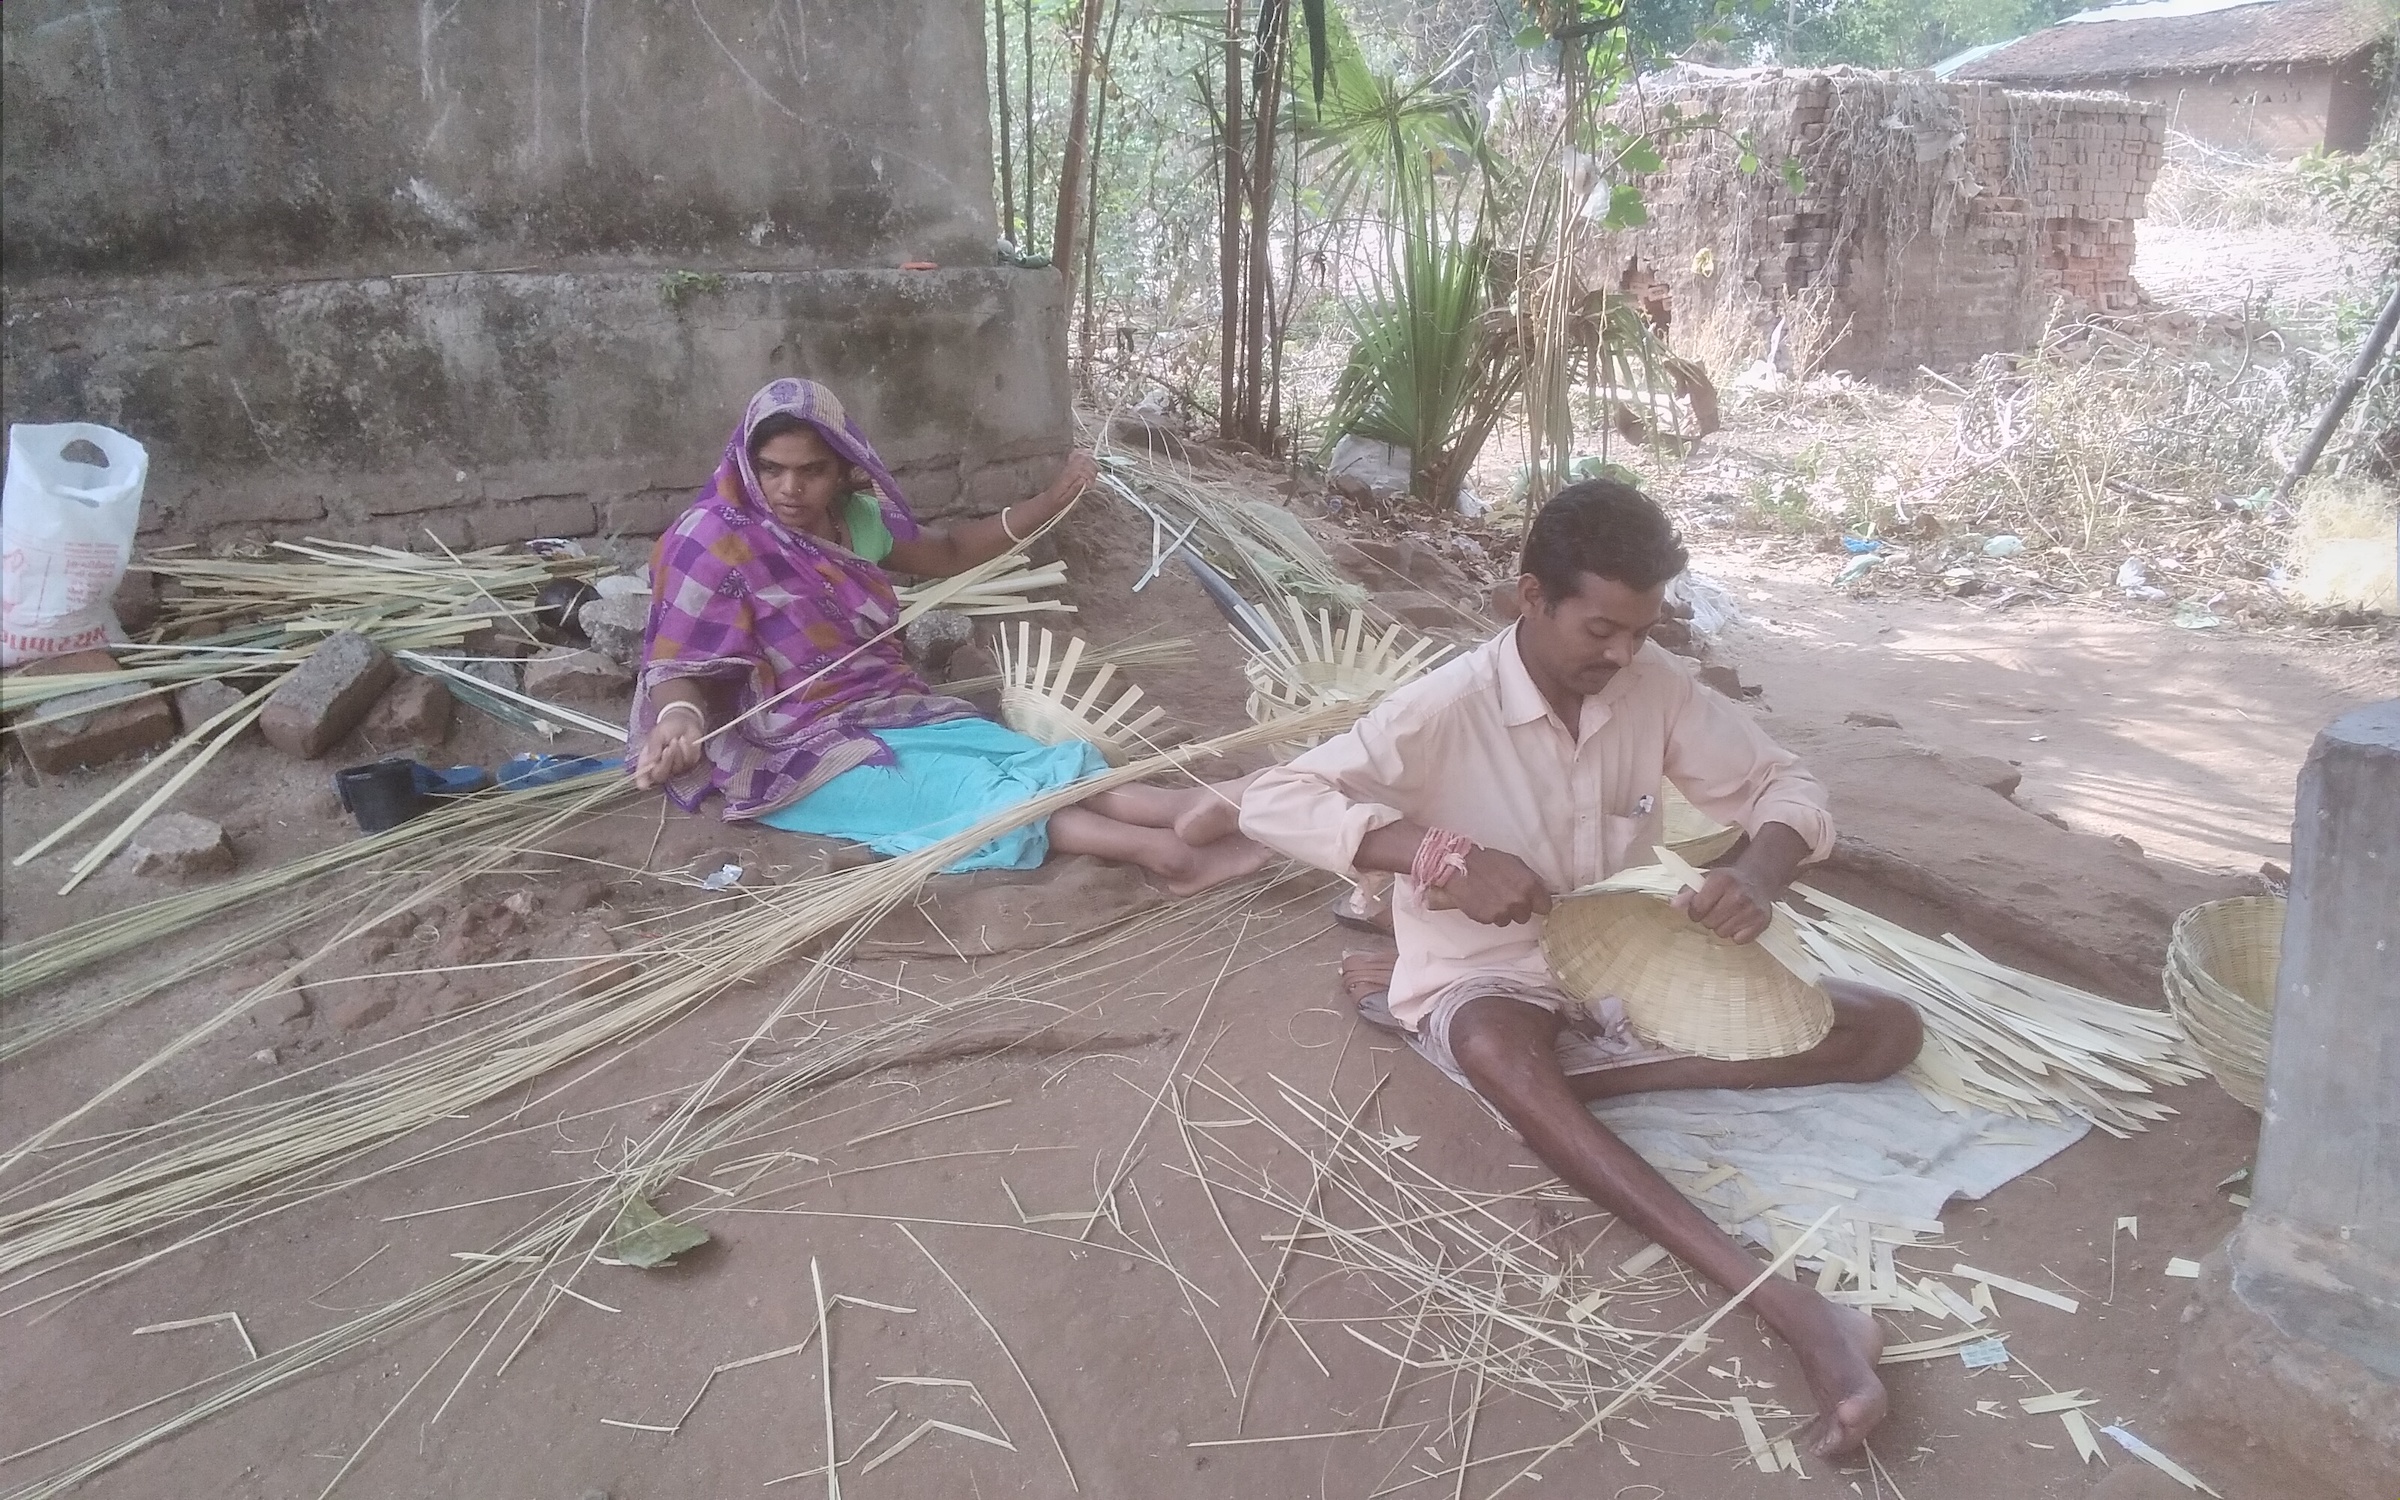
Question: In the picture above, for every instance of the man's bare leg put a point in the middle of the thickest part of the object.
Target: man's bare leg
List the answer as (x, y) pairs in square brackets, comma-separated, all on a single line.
[(1507, 1050), (1875, 1034)]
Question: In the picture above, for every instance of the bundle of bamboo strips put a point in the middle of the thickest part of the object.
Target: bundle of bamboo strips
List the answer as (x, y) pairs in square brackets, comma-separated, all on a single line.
[(1996, 1038), (1007, 593), (323, 585), (2001, 1038), (1241, 534)]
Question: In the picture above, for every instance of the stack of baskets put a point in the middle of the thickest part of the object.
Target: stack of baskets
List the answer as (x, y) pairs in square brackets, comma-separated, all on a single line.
[(2220, 978)]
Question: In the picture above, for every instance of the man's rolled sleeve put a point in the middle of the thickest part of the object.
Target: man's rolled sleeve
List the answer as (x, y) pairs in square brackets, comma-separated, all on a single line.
[(1730, 770), (1319, 807)]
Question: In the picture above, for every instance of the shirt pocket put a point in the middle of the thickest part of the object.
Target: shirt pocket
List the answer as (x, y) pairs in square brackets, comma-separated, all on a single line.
[(1627, 841)]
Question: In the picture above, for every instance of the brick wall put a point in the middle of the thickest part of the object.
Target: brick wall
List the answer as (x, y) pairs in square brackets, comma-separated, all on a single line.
[(1937, 222)]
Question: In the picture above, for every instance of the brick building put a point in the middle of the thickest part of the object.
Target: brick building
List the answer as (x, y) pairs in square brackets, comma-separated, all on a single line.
[(1934, 222), (2274, 76)]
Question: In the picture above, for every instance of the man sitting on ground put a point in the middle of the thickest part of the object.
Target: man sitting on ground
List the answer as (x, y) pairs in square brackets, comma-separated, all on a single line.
[(1529, 768)]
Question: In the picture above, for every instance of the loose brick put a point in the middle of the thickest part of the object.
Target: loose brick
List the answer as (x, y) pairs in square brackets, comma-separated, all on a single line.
[(96, 726), (416, 711), (203, 701), (178, 845), (327, 695), (577, 679)]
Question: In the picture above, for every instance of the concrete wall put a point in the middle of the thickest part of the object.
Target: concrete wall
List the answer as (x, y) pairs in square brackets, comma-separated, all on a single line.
[(510, 268)]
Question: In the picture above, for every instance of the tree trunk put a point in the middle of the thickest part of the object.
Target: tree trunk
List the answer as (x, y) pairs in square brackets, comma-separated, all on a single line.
[(1064, 239), (1229, 235), (1267, 83), (1030, 176), (1091, 193), (1008, 172)]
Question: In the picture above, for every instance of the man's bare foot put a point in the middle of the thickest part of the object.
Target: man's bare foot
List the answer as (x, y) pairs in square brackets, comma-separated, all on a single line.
[(1837, 1357), (1222, 860), (1215, 813), (1365, 974)]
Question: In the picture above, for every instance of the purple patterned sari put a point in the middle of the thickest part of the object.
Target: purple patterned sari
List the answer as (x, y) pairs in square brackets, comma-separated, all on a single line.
[(739, 599)]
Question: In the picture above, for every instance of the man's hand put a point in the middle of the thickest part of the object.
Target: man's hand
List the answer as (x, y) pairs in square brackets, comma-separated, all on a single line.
[(672, 749), (1728, 903), (1496, 887)]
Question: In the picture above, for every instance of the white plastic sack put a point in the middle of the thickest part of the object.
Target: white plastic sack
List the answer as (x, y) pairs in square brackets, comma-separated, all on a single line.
[(66, 533)]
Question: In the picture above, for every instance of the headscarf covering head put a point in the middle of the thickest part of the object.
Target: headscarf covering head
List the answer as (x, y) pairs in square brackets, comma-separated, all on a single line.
[(821, 410)]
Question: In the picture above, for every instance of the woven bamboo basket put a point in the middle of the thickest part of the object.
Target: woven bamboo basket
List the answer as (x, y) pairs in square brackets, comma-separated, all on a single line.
[(2220, 981), (1682, 985), (1324, 664), (1689, 831), (1038, 698)]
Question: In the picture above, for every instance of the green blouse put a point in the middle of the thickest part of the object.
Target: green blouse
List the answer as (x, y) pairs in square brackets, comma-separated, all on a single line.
[(869, 537)]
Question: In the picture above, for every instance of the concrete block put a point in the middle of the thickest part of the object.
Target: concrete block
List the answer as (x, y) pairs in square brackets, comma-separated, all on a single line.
[(93, 727), (615, 626), (327, 696), (264, 505), (409, 533), (932, 638), (415, 711), (178, 845), (2329, 1145), (2250, 1403), (523, 520), (577, 678), (644, 514), (203, 701)]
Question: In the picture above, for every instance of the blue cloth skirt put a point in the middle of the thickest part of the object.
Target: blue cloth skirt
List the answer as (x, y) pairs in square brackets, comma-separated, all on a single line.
[(947, 777)]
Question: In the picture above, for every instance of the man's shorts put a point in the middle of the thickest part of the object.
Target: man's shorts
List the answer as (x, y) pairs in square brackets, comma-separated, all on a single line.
[(1595, 1038)]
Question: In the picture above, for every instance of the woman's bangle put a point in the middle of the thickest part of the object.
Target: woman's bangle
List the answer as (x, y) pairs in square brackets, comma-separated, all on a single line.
[(1007, 530), (698, 718)]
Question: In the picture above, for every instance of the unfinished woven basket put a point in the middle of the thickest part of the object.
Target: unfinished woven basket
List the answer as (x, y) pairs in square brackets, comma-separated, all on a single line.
[(2220, 979), (1689, 831), (1038, 700), (1682, 985), (1324, 664)]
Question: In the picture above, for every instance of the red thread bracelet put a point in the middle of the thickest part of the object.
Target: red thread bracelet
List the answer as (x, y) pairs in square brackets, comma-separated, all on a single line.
[(1441, 855)]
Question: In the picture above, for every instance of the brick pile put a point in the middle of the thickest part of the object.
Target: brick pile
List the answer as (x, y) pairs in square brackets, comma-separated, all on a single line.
[(1942, 221)]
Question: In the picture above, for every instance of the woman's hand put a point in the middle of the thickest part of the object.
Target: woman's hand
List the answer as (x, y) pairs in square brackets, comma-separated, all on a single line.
[(672, 749), (1074, 477)]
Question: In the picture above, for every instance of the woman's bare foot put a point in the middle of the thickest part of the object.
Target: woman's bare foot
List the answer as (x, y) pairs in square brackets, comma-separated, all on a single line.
[(1215, 813), (1837, 1348), (1195, 870)]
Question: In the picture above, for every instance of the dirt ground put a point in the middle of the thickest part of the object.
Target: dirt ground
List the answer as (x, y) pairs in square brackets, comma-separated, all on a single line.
[(928, 1180)]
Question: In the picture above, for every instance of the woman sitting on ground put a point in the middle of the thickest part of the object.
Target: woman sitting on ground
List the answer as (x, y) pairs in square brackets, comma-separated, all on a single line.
[(773, 678)]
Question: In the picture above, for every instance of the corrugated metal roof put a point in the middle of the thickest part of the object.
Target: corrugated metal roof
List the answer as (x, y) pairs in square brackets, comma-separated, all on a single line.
[(2144, 10), (2183, 36)]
